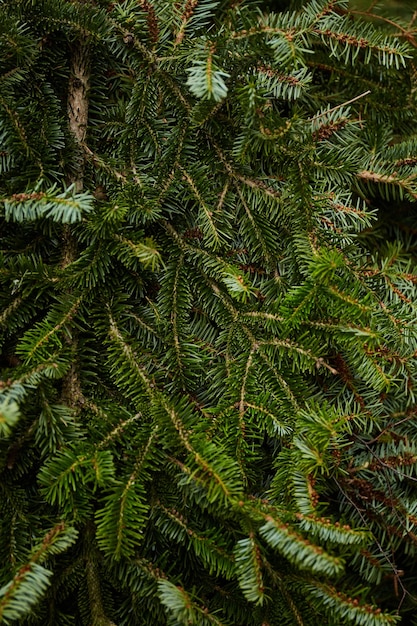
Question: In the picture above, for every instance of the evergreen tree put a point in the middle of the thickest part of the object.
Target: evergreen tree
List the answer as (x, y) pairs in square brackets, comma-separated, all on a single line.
[(208, 321)]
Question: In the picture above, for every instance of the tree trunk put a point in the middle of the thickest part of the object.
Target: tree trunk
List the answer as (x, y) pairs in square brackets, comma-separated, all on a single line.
[(77, 108)]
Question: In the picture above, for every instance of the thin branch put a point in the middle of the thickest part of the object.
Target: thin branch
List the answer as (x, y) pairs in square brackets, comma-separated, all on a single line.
[(362, 95), (403, 31)]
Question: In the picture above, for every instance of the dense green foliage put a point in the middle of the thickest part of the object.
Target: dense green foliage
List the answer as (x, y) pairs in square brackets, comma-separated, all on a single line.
[(208, 318)]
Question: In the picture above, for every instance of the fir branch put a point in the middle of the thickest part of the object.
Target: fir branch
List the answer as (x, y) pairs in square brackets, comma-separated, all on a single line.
[(407, 184), (219, 278), (185, 17), (32, 579), (208, 225)]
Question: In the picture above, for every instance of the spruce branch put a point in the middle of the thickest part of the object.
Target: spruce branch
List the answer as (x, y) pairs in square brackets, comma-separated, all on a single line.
[(209, 358)]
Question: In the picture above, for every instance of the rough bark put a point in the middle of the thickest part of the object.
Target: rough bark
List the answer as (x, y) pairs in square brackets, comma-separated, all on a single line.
[(78, 88), (77, 109)]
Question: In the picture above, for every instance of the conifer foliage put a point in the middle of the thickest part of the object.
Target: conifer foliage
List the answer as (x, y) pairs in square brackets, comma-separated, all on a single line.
[(208, 331)]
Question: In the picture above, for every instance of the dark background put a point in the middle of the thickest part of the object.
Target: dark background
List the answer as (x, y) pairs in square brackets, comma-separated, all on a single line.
[(397, 8), (403, 9)]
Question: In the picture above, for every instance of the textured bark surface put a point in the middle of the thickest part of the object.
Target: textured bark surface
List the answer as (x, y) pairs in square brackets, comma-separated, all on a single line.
[(78, 88), (77, 108)]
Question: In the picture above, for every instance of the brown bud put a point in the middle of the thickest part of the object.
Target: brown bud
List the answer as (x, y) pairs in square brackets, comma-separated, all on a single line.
[(129, 39)]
